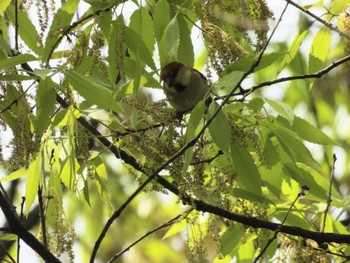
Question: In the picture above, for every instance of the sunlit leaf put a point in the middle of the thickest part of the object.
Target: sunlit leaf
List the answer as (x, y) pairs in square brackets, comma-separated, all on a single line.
[(245, 63), (282, 109), (16, 60), (308, 132), (293, 49), (45, 101), (249, 195), (26, 29), (63, 18), (219, 129), (247, 173), (192, 128), (35, 171), (338, 6), (231, 239), (175, 228), (319, 49), (8, 237), (14, 175)]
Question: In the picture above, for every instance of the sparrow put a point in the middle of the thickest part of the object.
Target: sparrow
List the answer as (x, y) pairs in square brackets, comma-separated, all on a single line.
[(184, 87)]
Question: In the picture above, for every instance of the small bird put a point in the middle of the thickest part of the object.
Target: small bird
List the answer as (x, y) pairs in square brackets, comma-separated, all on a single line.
[(184, 87)]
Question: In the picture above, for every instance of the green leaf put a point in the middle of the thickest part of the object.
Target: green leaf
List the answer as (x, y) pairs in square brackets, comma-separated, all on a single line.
[(162, 16), (245, 63), (256, 104), (3, 5), (13, 61), (168, 45), (309, 132), (185, 52), (63, 18), (35, 171), (142, 24), (248, 195), (45, 101), (116, 28), (26, 29), (293, 49), (138, 47), (230, 240), (228, 82), (272, 178), (15, 77), (4, 45), (292, 145), (192, 129), (99, 167), (99, 4), (8, 237), (319, 49), (12, 95), (247, 173), (338, 6), (14, 175), (305, 178), (93, 91), (282, 109), (219, 128), (70, 165), (175, 228)]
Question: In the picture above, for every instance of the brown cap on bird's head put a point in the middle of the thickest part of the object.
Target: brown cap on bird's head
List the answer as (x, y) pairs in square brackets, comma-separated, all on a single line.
[(170, 70)]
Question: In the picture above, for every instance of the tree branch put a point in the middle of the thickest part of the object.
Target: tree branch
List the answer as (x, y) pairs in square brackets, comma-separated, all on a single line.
[(166, 224), (300, 194), (17, 228), (317, 75), (325, 23), (329, 199)]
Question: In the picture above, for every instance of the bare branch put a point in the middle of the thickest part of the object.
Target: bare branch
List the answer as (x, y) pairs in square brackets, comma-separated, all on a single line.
[(325, 23), (317, 74), (300, 194), (17, 228), (329, 199), (166, 224)]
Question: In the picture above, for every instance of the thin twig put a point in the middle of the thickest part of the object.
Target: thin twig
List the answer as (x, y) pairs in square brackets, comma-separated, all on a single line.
[(210, 159), (300, 194), (166, 224), (317, 74), (15, 101), (17, 228), (329, 199), (118, 212), (6, 252), (42, 216), (20, 217), (325, 23)]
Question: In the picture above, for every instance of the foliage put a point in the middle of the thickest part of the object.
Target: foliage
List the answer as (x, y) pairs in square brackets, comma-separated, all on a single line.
[(103, 164)]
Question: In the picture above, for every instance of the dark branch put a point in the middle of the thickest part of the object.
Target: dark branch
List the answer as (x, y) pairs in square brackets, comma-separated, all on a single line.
[(17, 228)]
